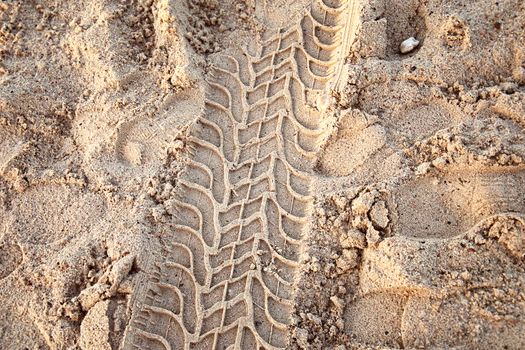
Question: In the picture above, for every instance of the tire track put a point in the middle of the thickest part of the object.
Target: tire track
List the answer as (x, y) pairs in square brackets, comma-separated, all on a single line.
[(225, 279)]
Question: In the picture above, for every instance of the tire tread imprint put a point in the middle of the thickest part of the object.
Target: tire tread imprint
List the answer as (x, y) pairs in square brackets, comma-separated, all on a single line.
[(226, 275)]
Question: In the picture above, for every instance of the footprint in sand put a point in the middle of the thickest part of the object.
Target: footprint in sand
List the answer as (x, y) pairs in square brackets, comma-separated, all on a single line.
[(435, 283)]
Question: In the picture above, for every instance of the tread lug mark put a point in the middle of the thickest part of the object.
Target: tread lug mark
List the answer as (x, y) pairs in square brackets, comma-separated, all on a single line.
[(181, 278), (225, 275)]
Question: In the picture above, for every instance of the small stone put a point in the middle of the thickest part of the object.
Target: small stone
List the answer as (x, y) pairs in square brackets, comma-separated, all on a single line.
[(408, 45), (379, 214)]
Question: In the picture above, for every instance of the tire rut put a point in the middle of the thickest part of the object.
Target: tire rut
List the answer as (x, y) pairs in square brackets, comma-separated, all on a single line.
[(226, 276)]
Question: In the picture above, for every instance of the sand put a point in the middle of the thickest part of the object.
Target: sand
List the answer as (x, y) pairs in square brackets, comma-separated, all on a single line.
[(262, 174)]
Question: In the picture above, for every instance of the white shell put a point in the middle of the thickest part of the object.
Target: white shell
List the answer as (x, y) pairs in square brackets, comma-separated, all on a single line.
[(408, 45)]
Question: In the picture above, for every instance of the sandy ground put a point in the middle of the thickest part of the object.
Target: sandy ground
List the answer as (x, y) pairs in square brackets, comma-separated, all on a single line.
[(262, 174)]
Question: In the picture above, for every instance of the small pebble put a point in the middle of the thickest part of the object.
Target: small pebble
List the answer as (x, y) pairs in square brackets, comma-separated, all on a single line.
[(408, 45)]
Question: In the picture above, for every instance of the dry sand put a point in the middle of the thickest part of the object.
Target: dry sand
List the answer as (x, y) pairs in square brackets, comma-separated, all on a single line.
[(236, 174)]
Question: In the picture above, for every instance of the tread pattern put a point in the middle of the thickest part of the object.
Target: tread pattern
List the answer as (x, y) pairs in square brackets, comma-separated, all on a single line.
[(225, 278)]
